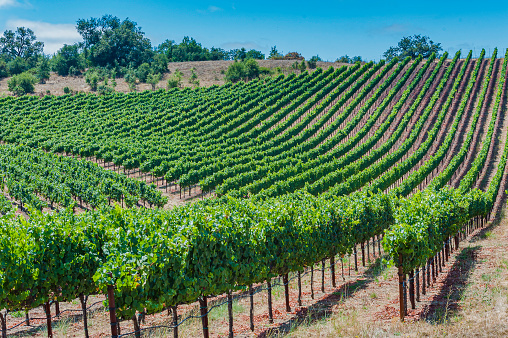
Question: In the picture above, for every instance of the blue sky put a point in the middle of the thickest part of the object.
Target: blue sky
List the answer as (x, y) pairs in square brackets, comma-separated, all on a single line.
[(326, 28)]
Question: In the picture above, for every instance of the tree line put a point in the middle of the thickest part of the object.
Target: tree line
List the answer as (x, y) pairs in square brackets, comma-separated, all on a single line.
[(114, 48)]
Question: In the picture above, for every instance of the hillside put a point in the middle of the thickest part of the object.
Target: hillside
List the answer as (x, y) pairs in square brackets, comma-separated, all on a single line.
[(209, 73), (363, 200)]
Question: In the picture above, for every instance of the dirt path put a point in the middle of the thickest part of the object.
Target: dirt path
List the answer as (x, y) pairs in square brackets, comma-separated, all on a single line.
[(497, 144), (483, 125)]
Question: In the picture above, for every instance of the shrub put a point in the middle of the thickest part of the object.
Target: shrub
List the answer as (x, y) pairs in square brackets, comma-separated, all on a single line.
[(244, 70), (142, 72), (42, 70), (3, 69), (251, 69), (312, 63), (302, 66), (67, 90), (175, 80), (17, 66), (265, 71), (22, 84), (235, 72), (130, 78), (104, 89), (153, 79), (194, 76), (92, 79)]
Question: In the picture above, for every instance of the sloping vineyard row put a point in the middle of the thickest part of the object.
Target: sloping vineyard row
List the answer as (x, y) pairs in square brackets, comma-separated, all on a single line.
[(316, 151)]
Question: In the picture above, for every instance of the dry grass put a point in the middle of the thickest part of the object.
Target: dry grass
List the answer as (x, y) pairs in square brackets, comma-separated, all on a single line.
[(209, 73), (470, 299)]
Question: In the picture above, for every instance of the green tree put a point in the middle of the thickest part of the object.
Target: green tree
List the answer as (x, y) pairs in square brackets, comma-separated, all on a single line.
[(238, 54), (255, 54), (22, 84), (218, 54), (153, 79), (21, 43), (302, 66), (109, 42), (42, 71), (295, 65), (166, 48), (274, 54), (17, 66), (160, 64), (413, 46), (3, 68), (312, 63), (142, 72), (189, 50), (92, 30), (66, 59), (344, 59)]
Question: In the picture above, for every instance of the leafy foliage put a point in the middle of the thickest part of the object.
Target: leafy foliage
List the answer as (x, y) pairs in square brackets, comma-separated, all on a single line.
[(111, 42), (274, 54), (22, 84), (42, 71), (21, 43), (243, 70), (413, 46), (68, 61)]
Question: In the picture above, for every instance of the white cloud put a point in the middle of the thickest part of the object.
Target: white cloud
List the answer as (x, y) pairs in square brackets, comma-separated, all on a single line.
[(210, 9), (214, 9), (7, 3), (13, 3), (54, 36)]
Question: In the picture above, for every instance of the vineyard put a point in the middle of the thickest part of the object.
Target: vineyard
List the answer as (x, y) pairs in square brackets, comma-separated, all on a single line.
[(274, 176)]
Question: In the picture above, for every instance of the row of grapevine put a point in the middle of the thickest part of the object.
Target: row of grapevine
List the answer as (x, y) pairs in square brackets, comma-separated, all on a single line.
[(315, 179), (289, 152), (444, 176), (29, 173), (156, 258), (260, 140)]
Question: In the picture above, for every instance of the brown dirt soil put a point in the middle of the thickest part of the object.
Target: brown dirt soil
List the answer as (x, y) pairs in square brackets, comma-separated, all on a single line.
[(209, 73), (469, 298)]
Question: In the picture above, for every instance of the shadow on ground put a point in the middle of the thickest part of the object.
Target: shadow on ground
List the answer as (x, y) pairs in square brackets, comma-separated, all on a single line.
[(323, 308), (446, 303)]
